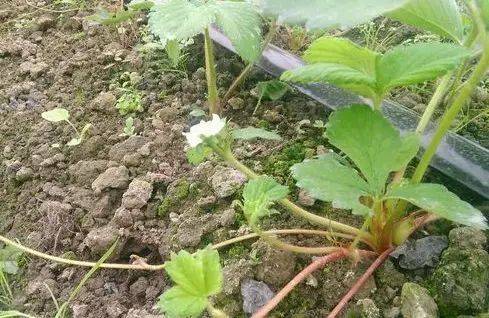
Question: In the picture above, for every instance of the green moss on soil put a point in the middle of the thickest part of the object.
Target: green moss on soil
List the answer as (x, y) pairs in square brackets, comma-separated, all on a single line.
[(179, 193)]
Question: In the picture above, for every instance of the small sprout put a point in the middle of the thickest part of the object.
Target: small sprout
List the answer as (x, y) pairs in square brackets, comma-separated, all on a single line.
[(78, 140), (129, 102), (128, 128), (270, 90), (60, 114), (197, 277)]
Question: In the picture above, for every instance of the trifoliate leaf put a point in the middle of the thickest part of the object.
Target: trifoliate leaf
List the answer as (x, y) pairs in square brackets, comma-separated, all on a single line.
[(370, 74), (272, 90), (253, 132), (56, 115), (177, 303), (371, 142), (437, 199), (321, 14), (240, 22), (258, 195), (198, 154), (326, 179), (442, 17)]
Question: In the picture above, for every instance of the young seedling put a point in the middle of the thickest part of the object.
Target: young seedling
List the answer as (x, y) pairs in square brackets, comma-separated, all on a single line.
[(60, 114), (270, 90), (130, 100), (128, 127), (197, 277), (376, 149), (238, 20)]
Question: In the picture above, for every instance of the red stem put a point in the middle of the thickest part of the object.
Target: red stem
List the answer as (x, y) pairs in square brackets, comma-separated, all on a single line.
[(359, 283), (315, 265)]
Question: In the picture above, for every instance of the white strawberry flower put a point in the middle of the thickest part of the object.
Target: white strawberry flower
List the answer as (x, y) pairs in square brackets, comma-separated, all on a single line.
[(204, 129)]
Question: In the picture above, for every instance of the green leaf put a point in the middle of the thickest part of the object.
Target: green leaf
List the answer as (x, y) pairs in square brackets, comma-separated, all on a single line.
[(241, 24), (339, 62), (180, 19), (416, 63), (342, 51), (327, 180), (371, 142), (9, 257), (198, 154), (321, 14), (258, 195), (442, 17), (252, 133), (484, 9), (365, 72), (272, 90), (56, 115), (177, 303), (339, 75), (437, 199), (197, 277), (174, 51), (105, 17), (190, 273)]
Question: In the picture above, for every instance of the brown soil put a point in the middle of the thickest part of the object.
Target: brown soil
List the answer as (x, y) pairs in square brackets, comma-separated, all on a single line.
[(48, 199)]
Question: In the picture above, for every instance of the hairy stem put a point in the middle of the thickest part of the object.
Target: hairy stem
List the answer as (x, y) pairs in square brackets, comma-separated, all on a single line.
[(295, 209), (237, 82), (210, 73), (158, 267), (314, 266), (359, 283), (73, 127), (448, 118), (246, 71), (436, 100), (275, 242)]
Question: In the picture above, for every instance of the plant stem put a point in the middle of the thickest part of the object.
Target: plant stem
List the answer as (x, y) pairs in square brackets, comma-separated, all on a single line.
[(436, 99), (359, 283), (295, 209), (244, 74), (451, 113), (270, 239), (162, 266), (78, 263), (214, 312), (74, 128), (237, 82), (210, 73), (315, 265), (377, 100)]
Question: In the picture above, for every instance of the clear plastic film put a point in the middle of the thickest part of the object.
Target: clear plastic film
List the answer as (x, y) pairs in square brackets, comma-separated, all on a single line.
[(457, 157)]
